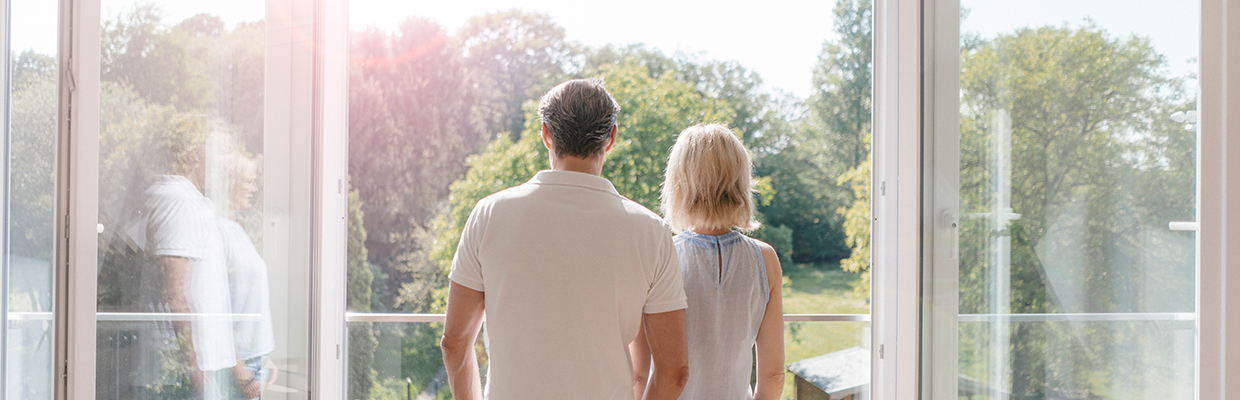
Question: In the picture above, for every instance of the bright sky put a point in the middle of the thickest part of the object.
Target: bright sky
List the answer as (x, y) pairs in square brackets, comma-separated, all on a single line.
[(780, 39)]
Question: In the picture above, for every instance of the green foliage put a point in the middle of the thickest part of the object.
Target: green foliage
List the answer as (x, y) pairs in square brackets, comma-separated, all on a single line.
[(840, 105), (32, 175), (362, 340), (515, 55), (857, 224), (160, 63), (831, 141), (410, 127), (1096, 171)]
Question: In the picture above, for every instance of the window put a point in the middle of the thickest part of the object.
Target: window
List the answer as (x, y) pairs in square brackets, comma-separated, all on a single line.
[(203, 285), (1045, 201), (28, 107), (1064, 175), (416, 170)]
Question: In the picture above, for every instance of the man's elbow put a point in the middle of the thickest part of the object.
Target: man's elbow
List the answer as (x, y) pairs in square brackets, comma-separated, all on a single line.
[(776, 379), (641, 378), (679, 376), (454, 347)]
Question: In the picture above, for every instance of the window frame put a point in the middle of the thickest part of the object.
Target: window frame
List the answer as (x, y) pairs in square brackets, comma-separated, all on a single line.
[(903, 243)]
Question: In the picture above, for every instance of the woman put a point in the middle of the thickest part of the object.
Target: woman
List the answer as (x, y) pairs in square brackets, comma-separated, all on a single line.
[(247, 278), (732, 281)]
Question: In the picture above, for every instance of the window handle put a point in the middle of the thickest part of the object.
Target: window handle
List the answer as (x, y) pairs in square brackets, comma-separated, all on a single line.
[(1188, 226), (953, 227)]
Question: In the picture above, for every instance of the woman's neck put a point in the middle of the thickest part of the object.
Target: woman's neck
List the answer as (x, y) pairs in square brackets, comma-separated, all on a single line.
[(710, 231)]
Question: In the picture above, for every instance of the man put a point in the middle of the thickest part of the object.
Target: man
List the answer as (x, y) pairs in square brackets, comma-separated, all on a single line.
[(183, 240), (565, 270)]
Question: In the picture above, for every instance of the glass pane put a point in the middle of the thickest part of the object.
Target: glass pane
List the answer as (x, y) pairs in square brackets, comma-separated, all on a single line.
[(1077, 151), (203, 261), (30, 191), (797, 92), (827, 360), (396, 360)]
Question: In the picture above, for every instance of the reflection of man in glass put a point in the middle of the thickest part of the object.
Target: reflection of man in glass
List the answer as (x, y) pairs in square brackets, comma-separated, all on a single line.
[(184, 240), (247, 279)]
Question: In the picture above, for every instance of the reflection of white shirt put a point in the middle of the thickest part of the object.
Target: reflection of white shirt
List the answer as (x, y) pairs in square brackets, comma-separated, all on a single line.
[(247, 281), (568, 267), (181, 223)]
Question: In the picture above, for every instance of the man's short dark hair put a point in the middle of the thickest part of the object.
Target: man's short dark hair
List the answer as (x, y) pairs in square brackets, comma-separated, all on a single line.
[(579, 114)]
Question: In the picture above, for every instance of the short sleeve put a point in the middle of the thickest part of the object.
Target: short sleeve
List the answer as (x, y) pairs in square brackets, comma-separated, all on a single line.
[(176, 227), (466, 269), (667, 292)]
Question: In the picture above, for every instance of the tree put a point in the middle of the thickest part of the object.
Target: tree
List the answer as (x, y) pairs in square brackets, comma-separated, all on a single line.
[(1091, 150), (513, 56), (831, 141), (840, 104), (362, 341), (162, 64), (410, 127), (857, 224), (32, 167)]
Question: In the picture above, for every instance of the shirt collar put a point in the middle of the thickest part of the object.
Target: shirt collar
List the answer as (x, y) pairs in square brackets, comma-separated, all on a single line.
[(570, 178), (180, 183)]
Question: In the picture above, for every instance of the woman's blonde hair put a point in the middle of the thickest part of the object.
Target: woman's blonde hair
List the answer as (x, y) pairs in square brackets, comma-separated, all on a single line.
[(708, 183)]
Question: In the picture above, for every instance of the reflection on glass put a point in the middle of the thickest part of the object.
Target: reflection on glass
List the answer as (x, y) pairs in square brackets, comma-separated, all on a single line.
[(1071, 170), (30, 193), (186, 287)]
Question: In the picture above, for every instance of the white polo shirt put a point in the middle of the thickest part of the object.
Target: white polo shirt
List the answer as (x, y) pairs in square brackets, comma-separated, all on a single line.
[(181, 223), (568, 266)]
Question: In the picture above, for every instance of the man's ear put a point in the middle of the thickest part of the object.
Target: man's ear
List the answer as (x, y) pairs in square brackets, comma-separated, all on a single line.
[(546, 137), (612, 140)]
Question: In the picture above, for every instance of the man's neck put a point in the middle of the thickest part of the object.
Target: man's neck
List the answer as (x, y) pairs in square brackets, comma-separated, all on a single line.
[(592, 165)]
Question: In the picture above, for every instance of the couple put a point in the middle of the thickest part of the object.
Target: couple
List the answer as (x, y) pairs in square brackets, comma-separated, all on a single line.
[(587, 295)]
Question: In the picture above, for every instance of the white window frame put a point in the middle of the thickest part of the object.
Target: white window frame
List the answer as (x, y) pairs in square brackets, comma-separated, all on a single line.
[(896, 200), (1218, 194)]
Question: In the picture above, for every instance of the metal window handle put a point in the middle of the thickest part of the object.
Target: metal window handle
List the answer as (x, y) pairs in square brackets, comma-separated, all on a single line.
[(1186, 226)]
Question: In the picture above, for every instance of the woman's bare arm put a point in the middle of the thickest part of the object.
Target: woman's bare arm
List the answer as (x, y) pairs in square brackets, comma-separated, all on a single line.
[(770, 342)]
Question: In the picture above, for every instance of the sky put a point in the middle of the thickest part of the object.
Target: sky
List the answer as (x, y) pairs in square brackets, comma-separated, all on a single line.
[(779, 39)]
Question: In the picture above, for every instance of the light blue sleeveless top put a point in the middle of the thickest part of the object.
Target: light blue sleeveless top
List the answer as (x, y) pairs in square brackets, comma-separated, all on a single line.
[(726, 286)]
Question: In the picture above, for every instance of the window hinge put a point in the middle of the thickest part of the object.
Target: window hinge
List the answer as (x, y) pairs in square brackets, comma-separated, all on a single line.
[(882, 188), (337, 351), (69, 74), (880, 352), (339, 186)]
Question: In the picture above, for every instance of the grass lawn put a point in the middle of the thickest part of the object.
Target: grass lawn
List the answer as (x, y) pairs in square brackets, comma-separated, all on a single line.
[(820, 289)]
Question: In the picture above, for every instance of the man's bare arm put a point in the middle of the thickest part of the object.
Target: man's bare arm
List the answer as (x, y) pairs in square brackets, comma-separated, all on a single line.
[(465, 311), (175, 271), (669, 350), (639, 353)]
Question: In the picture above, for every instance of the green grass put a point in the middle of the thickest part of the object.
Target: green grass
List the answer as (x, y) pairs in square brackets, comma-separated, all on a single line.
[(820, 289)]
